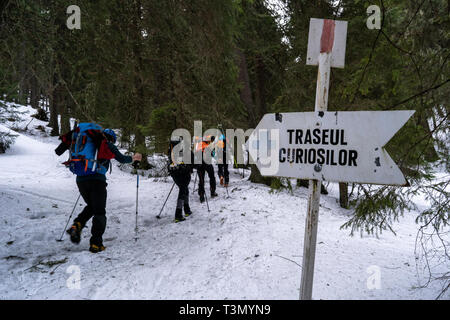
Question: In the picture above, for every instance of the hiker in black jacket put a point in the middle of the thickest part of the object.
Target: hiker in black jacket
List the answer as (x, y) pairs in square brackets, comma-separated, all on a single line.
[(181, 175)]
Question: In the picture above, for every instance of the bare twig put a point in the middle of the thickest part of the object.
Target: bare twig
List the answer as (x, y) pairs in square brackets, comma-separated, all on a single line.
[(288, 260)]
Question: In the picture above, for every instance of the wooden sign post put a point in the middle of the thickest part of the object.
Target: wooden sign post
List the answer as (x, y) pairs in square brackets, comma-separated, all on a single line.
[(327, 40)]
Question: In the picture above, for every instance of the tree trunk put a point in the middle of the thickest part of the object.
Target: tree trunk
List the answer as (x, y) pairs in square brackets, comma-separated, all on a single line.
[(125, 138), (343, 194), (256, 177), (53, 123), (140, 98), (22, 86), (247, 100), (35, 93), (246, 92), (65, 117), (430, 153), (260, 89)]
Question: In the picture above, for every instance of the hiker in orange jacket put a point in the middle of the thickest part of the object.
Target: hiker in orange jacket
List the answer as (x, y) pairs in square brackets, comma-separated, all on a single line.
[(204, 167)]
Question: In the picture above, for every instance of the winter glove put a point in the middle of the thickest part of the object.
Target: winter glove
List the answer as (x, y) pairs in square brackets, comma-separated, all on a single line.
[(61, 148)]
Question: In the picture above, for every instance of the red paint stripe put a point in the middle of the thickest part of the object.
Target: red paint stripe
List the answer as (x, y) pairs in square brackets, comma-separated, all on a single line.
[(327, 40)]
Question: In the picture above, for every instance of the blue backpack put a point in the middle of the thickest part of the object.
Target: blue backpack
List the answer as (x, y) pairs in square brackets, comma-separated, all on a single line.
[(86, 140)]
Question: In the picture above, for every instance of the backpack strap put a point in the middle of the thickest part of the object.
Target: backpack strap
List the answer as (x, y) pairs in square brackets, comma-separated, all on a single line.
[(97, 137), (95, 160)]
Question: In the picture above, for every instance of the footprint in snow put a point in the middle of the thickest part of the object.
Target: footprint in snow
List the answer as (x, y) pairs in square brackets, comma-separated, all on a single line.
[(37, 216)]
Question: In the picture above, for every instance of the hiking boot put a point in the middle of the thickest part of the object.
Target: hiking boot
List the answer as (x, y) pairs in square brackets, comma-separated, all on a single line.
[(226, 185), (213, 194), (187, 211), (221, 181), (75, 232), (96, 248), (202, 198), (179, 215)]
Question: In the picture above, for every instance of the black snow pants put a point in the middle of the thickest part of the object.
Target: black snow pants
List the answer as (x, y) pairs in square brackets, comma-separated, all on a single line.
[(182, 178), (201, 178), (223, 172), (94, 194)]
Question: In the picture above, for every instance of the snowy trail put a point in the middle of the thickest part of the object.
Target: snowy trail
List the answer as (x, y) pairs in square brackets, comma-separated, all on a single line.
[(248, 247)]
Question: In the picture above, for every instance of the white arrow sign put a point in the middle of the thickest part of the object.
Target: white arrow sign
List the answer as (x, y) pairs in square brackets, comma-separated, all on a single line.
[(342, 146)]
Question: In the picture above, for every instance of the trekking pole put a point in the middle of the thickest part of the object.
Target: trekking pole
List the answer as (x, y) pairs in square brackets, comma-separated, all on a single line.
[(207, 202), (135, 165), (158, 216), (195, 181), (69, 218), (243, 166)]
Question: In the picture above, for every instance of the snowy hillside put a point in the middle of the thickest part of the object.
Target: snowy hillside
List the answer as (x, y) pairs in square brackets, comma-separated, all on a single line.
[(249, 246)]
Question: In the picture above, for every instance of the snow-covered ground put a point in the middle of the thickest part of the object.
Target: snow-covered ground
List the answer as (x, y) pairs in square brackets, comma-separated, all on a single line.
[(249, 246)]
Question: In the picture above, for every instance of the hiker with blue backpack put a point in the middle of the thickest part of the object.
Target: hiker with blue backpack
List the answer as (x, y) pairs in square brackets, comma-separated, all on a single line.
[(91, 149)]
